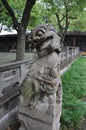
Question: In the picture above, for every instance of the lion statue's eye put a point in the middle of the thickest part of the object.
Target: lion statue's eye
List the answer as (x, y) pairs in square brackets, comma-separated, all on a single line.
[(29, 39), (40, 33)]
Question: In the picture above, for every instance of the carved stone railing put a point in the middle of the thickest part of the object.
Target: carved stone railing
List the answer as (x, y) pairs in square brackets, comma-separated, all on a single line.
[(67, 55), (12, 75)]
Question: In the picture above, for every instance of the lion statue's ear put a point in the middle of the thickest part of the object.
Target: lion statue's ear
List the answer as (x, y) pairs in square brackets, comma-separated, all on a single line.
[(55, 41)]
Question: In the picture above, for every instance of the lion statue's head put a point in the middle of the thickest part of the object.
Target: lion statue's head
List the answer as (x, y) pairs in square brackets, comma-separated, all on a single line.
[(44, 37)]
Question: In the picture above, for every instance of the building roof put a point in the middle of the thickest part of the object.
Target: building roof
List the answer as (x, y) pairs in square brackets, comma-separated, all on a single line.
[(76, 33)]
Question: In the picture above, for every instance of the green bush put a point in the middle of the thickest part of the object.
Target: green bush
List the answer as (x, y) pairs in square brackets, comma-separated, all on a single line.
[(74, 91)]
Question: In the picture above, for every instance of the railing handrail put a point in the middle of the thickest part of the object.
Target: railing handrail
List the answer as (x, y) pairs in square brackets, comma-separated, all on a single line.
[(7, 66)]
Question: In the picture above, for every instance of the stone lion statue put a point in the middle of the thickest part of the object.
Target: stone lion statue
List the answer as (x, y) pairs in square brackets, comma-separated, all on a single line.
[(43, 79)]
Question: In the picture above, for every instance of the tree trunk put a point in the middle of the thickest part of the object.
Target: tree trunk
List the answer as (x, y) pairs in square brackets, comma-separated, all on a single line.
[(62, 36), (20, 44), (1, 26)]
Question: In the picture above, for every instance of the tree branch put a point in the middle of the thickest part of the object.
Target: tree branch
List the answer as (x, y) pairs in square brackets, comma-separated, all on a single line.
[(58, 21), (26, 13), (11, 13), (71, 17), (63, 16)]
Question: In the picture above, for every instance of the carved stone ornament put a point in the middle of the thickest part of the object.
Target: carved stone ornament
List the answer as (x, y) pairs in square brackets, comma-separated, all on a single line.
[(41, 91)]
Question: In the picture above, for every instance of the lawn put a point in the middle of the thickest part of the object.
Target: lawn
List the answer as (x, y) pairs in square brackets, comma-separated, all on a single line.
[(11, 56), (74, 92)]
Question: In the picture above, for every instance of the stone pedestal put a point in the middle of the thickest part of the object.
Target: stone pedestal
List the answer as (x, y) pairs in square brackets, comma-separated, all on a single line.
[(31, 120)]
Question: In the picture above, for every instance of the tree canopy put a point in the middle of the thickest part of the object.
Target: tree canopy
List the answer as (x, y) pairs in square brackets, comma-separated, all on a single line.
[(49, 11), (64, 14)]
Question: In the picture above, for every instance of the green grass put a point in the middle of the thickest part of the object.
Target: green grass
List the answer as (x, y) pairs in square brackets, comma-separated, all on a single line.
[(74, 90), (8, 57)]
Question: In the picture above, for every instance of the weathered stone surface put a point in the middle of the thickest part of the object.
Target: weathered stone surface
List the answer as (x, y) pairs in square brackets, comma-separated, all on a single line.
[(42, 89), (36, 120)]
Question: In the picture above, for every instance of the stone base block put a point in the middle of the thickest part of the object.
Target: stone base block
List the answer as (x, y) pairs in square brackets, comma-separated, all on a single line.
[(31, 120)]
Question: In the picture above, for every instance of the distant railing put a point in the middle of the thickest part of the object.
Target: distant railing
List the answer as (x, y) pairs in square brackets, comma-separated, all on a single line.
[(12, 75), (68, 54)]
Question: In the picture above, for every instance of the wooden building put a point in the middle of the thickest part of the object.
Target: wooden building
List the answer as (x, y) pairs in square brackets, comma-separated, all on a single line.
[(76, 38), (8, 42)]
